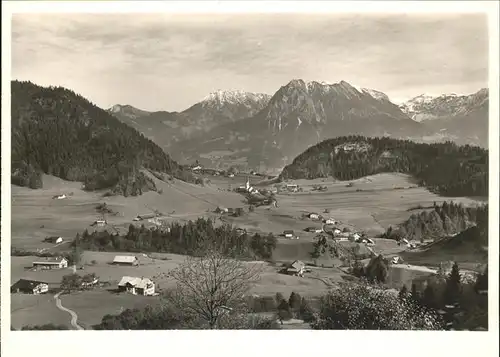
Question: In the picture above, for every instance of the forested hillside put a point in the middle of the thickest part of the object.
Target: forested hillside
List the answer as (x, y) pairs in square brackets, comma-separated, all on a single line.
[(444, 168), (446, 220), (58, 132), (192, 238)]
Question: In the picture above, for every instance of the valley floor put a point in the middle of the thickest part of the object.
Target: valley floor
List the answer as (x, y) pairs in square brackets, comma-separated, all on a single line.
[(371, 205)]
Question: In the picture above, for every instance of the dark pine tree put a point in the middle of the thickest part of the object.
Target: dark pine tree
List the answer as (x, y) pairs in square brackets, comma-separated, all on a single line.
[(429, 297), (453, 287)]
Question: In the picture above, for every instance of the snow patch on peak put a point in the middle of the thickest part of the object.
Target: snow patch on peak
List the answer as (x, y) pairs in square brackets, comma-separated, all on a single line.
[(376, 94), (116, 108), (221, 97)]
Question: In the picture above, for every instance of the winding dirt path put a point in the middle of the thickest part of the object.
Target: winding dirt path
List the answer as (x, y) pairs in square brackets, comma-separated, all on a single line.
[(74, 316)]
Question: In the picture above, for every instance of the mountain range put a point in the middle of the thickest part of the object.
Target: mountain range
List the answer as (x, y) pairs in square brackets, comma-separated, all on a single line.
[(266, 132)]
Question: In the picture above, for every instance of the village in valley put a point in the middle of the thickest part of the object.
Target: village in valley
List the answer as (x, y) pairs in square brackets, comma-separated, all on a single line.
[(315, 248)]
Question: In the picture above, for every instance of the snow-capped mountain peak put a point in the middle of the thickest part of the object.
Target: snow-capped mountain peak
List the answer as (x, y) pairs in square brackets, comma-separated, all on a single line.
[(127, 111), (428, 107), (219, 98), (376, 94), (117, 108)]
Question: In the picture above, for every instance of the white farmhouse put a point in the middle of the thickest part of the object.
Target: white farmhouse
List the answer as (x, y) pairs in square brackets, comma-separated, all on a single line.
[(137, 286)]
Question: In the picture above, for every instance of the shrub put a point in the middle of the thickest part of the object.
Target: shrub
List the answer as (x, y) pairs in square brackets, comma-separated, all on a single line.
[(362, 307)]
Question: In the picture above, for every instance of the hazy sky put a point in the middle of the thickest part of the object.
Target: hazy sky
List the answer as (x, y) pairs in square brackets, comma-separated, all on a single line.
[(169, 62)]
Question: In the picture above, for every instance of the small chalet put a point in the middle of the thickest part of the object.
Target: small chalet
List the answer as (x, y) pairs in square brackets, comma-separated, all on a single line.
[(137, 286), (99, 223), (330, 221), (288, 234), (30, 287), (89, 280), (142, 217), (238, 211), (51, 263), (220, 210), (314, 216), (397, 260), (337, 231), (356, 236), (296, 268), (126, 260), (55, 240)]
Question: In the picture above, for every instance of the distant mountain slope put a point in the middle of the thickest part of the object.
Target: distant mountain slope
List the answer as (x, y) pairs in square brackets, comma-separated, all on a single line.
[(424, 107), (258, 131), (298, 115), (445, 168), (217, 108), (60, 133), (462, 119)]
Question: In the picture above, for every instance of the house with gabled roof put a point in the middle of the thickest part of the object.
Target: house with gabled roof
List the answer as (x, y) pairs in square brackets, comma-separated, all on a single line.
[(126, 260), (30, 287), (137, 286), (288, 234), (296, 268), (51, 263)]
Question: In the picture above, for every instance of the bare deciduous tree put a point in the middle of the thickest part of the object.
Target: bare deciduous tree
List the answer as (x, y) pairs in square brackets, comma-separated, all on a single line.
[(212, 286)]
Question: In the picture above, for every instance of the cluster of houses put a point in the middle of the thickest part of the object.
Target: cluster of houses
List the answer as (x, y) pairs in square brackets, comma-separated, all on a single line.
[(350, 236), (134, 285), (247, 188)]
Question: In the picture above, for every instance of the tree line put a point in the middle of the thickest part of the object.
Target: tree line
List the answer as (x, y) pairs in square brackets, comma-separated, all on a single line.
[(444, 168), (58, 132), (443, 220), (192, 238)]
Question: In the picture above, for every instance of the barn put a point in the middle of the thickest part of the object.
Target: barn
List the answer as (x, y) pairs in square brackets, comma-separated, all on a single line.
[(29, 287), (126, 260), (51, 263)]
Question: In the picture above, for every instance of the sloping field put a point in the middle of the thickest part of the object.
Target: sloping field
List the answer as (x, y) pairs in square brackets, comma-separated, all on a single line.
[(379, 204), (36, 310), (404, 274), (35, 215), (466, 248), (372, 204), (91, 306)]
